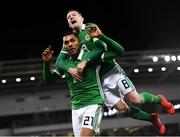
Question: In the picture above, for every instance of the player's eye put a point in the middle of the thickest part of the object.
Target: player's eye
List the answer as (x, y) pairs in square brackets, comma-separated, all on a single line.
[(66, 42), (72, 40)]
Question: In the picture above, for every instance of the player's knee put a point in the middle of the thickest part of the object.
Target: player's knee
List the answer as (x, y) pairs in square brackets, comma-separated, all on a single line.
[(121, 107), (124, 110), (86, 132), (136, 101), (134, 98)]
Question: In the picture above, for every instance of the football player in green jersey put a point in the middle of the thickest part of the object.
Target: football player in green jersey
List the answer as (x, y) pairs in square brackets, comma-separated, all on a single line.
[(86, 94), (112, 75)]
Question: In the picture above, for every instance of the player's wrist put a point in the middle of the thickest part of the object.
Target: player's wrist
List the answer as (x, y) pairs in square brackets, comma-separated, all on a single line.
[(101, 36), (69, 70)]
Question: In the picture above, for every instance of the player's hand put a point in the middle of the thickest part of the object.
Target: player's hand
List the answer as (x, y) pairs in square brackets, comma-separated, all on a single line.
[(75, 74), (81, 66), (94, 31), (47, 54)]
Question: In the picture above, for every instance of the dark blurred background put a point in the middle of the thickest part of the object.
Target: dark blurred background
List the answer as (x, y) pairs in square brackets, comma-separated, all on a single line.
[(149, 30), (29, 27)]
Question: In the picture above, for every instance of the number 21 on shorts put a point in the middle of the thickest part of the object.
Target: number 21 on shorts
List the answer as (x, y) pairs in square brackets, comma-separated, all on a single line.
[(88, 121)]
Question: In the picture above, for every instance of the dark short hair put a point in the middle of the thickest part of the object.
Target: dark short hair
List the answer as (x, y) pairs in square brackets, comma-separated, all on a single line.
[(69, 32), (74, 10)]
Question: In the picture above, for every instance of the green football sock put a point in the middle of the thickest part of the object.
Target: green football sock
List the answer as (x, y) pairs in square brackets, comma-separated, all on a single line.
[(136, 113), (150, 98)]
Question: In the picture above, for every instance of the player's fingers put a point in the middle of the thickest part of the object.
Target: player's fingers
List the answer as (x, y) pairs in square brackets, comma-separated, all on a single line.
[(92, 29), (44, 53), (80, 75), (78, 78), (89, 28)]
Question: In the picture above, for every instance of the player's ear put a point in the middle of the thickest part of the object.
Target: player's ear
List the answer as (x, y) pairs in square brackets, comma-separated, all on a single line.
[(82, 19)]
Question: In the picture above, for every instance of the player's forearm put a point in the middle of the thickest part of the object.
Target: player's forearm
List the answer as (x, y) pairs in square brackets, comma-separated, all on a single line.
[(97, 51), (60, 62), (108, 55), (47, 75), (112, 45)]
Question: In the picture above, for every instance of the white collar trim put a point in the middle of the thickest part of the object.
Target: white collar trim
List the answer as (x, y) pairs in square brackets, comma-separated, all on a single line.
[(83, 27), (80, 54)]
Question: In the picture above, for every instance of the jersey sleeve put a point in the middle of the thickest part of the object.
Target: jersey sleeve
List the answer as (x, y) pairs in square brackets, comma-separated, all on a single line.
[(48, 75), (60, 61), (98, 49), (112, 45), (108, 55), (90, 24)]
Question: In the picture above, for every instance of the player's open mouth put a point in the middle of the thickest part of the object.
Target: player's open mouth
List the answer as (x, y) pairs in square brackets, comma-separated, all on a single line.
[(73, 22)]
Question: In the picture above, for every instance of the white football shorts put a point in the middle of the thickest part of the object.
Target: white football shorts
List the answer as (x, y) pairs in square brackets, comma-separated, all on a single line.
[(87, 117), (116, 80)]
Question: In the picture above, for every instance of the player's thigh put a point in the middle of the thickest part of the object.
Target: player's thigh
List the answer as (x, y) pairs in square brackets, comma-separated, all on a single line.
[(111, 99), (92, 118), (121, 106), (133, 97), (86, 132), (125, 85), (76, 122)]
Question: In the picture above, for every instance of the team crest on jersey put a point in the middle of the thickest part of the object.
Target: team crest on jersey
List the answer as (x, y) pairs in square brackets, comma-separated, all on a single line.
[(87, 37)]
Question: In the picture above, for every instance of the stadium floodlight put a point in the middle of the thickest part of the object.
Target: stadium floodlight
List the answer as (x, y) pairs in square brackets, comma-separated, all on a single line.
[(178, 57), (105, 113), (136, 70), (3, 81), (18, 79), (167, 58), (155, 58), (177, 106), (32, 78), (178, 68), (173, 58), (150, 69), (163, 69)]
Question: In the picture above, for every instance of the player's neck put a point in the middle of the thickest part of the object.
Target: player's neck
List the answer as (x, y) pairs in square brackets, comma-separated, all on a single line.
[(75, 56)]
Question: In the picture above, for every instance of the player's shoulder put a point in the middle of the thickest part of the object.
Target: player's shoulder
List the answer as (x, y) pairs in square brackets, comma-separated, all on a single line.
[(90, 24)]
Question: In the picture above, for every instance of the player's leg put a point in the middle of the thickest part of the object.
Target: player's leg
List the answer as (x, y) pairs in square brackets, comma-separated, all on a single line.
[(158, 99), (86, 132), (112, 100), (132, 111), (92, 116), (76, 122), (128, 90), (116, 81)]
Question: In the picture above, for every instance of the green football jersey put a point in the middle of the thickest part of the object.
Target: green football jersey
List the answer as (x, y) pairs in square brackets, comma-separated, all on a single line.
[(88, 91), (88, 43)]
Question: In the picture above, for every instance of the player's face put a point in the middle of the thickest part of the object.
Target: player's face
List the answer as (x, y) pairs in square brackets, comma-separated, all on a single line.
[(71, 42), (75, 20)]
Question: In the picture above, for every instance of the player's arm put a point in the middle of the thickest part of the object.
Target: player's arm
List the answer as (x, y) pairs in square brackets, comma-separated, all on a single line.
[(111, 44), (62, 64), (108, 55), (60, 61), (49, 75), (93, 55), (98, 50)]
